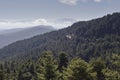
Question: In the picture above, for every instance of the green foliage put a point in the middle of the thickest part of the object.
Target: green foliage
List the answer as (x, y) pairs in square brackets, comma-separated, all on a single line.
[(79, 70), (111, 75), (63, 62), (47, 67), (98, 66), (116, 62), (98, 39), (86, 39), (1, 72)]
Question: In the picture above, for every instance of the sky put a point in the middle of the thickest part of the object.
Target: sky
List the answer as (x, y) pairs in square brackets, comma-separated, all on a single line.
[(57, 13)]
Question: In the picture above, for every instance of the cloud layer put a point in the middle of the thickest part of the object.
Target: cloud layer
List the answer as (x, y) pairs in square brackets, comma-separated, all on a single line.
[(59, 23), (97, 0), (74, 2), (69, 2), (7, 24)]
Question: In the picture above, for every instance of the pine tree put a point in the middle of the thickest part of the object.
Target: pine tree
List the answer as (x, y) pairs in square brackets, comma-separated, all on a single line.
[(99, 66), (79, 70), (63, 61), (1, 72), (47, 67)]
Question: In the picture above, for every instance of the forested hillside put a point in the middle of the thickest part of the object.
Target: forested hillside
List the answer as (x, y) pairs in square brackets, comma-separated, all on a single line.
[(46, 67), (86, 50), (59, 39), (87, 39), (12, 35)]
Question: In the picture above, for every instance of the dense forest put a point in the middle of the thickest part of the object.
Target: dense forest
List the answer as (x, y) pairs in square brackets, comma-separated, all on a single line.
[(46, 67), (86, 50), (87, 39)]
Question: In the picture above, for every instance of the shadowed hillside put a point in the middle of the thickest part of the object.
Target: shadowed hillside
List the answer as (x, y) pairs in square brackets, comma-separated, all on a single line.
[(12, 35), (97, 37)]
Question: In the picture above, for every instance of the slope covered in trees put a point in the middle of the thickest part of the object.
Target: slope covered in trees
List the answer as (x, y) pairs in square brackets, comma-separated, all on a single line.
[(46, 67), (87, 39), (11, 35)]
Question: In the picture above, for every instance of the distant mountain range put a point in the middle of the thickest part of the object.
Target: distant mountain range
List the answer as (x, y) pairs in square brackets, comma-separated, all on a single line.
[(86, 39), (7, 31), (12, 35)]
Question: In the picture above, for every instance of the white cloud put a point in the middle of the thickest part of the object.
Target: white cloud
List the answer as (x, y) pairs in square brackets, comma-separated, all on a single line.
[(74, 2), (59, 23), (40, 21), (97, 0), (101, 0), (69, 2), (7, 24)]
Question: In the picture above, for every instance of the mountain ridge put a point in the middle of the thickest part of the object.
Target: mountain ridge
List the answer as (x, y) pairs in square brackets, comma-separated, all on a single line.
[(87, 39), (23, 33)]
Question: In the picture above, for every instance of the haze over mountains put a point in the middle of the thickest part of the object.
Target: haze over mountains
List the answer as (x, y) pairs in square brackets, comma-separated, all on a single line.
[(7, 31), (11, 35), (87, 39), (59, 39)]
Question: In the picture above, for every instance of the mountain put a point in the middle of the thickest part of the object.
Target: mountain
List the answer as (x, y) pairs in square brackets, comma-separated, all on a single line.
[(7, 31), (87, 39), (12, 35)]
